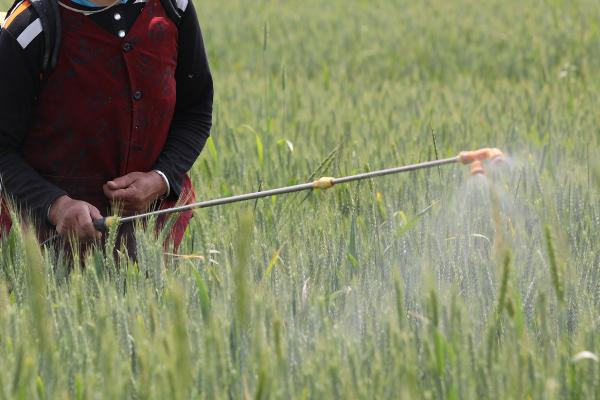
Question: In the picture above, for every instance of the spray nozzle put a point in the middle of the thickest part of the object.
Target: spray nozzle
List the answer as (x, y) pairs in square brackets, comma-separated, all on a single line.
[(477, 168), (470, 157)]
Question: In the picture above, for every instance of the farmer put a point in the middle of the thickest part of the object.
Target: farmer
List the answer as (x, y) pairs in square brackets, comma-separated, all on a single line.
[(119, 119)]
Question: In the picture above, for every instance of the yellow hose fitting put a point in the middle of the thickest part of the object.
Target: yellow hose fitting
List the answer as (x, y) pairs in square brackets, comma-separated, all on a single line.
[(323, 183), (110, 221)]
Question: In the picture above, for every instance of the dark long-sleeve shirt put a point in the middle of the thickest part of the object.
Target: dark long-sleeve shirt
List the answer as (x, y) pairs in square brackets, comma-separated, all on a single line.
[(21, 52)]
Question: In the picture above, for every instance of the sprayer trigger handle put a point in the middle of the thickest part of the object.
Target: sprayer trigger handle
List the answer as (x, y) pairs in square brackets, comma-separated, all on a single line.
[(100, 225)]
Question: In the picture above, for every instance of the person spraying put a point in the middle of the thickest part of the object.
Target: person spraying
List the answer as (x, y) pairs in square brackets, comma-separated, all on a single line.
[(103, 102)]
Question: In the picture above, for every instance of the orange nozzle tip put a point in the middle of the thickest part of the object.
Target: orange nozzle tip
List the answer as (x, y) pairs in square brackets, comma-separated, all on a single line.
[(477, 168)]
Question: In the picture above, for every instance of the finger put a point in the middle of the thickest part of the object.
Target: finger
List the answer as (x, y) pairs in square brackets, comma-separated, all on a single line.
[(129, 207), (85, 228), (123, 195), (135, 206), (121, 182), (108, 192), (95, 214), (65, 226), (60, 229)]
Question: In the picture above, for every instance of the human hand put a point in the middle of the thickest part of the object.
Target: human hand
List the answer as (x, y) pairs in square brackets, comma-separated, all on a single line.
[(74, 217), (136, 191)]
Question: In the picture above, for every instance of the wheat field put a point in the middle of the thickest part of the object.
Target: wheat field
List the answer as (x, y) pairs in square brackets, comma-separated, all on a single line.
[(431, 284)]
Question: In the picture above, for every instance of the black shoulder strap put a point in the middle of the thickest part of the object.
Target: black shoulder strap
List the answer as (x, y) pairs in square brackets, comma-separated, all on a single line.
[(49, 15), (172, 11)]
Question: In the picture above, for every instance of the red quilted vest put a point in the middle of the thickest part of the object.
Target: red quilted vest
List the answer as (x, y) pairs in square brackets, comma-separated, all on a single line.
[(106, 108)]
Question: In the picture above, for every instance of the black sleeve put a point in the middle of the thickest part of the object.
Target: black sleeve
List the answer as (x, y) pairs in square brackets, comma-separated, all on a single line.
[(18, 91), (193, 112)]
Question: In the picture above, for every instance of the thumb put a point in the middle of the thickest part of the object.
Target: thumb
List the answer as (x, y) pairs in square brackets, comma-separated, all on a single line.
[(94, 213), (121, 182)]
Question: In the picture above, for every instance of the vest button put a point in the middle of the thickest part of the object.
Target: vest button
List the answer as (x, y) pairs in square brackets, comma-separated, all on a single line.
[(137, 95), (127, 47)]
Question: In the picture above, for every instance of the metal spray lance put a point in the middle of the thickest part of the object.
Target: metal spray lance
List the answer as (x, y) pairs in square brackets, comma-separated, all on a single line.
[(473, 158)]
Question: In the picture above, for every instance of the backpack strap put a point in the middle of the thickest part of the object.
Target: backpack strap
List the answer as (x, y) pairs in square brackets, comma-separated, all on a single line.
[(174, 9), (49, 15)]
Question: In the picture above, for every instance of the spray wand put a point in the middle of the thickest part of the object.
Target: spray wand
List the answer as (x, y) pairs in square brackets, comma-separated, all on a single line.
[(473, 158)]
